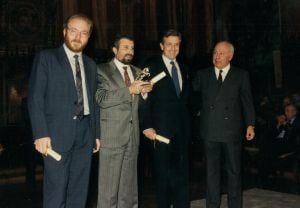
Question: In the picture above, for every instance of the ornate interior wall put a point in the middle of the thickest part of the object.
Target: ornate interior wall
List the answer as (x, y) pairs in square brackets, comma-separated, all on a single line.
[(256, 28)]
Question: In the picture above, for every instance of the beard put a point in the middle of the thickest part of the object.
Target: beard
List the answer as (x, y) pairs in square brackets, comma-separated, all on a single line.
[(74, 45), (127, 59)]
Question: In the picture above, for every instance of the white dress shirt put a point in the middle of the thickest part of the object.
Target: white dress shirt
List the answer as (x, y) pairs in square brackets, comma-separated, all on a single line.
[(70, 55), (168, 64), (120, 66), (225, 71)]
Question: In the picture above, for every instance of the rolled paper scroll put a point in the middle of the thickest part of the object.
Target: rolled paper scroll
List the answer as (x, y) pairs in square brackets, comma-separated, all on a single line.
[(158, 77), (162, 139), (53, 154)]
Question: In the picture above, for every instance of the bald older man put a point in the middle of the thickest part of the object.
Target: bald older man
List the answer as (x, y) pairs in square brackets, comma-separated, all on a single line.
[(227, 109)]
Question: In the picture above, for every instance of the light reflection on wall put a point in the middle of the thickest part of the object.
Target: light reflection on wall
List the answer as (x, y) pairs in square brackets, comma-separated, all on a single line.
[(14, 105)]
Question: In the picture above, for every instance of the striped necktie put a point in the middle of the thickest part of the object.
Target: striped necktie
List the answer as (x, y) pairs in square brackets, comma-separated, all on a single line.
[(79, 89)]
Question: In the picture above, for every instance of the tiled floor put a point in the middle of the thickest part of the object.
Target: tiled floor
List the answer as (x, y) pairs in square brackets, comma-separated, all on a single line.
[(260, 198), (12, 191)]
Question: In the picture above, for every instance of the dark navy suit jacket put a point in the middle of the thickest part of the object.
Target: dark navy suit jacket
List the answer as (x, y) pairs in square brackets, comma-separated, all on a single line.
[(163, 110), (52, 98)]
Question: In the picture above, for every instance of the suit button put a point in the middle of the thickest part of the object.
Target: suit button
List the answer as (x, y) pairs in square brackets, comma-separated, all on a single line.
[(75, 102), (211, 107), (226, 118), (74, 117)]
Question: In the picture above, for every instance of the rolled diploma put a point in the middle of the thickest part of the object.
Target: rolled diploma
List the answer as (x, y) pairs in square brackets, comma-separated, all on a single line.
[(158, 77), (53, 154), (162, 139)]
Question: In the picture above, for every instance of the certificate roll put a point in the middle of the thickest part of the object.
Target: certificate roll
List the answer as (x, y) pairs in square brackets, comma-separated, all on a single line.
[(162, 139), (53, 154), (158, 77)]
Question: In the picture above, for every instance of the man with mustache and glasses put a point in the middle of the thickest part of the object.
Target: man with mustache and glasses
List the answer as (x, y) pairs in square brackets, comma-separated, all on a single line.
[(118, 96), (64, 115)]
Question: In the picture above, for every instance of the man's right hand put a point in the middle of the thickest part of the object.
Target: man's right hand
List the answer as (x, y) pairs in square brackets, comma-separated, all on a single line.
[(136, 87), (42, 144), (150, 133)]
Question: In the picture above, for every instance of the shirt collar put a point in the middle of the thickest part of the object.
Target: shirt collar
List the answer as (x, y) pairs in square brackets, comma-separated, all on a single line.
[(167, 60), (291, 121), (119, 64), (225, 69)]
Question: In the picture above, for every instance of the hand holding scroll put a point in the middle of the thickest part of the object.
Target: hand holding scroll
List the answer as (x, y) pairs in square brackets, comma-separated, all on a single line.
[(150, 133), (43, 145)]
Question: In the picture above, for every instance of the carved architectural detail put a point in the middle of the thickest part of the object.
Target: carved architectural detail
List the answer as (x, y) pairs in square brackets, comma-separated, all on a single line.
[(27, 26)]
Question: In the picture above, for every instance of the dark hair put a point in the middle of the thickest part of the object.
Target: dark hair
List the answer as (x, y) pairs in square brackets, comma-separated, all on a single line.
[(170, 32), (116, 41), (79, 16)]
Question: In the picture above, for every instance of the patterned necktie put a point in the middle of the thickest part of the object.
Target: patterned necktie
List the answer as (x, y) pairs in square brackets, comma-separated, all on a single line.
[(79, 90), (126, 77), (175, 78), (220, 80)]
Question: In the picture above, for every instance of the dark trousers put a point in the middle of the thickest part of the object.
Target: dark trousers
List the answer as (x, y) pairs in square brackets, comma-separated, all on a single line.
[(66, 181), (171, 173), (229, 152)]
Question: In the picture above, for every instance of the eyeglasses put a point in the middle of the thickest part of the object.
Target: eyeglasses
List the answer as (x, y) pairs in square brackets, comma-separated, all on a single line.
[(75, 32)]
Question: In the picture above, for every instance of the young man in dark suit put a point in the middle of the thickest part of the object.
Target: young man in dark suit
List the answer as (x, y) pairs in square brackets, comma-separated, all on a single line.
[(64, 115), (227, 108), (165, 112)]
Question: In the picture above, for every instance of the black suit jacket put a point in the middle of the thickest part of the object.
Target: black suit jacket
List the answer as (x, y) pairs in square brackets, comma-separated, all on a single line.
[(225, 112), (291, 140), (163, 110), (52, 98)]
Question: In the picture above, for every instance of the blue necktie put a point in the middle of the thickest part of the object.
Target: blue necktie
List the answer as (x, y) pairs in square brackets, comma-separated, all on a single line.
[(175, 78)]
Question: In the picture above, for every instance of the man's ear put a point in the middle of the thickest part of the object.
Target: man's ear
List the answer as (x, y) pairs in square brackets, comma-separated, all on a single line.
[(161, 46), (115, 50)]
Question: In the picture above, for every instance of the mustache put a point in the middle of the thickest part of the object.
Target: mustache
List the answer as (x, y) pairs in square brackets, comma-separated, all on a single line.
[(75, 41), (128, 55)]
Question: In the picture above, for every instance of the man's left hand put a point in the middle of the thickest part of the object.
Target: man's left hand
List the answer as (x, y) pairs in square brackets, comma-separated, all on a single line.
[(97, 147)]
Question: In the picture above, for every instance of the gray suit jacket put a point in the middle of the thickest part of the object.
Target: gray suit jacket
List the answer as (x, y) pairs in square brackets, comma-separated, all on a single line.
[(118, 109)]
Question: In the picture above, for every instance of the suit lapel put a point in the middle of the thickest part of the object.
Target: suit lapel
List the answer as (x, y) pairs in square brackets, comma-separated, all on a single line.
[(66, 67), (116, 75), (229, 79), (134, 72), (184, 77), (213, 85), (168, 77), (88, 77)]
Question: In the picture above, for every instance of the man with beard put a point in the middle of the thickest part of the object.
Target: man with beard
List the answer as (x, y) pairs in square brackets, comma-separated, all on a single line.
[(118, 96), (64, 115)]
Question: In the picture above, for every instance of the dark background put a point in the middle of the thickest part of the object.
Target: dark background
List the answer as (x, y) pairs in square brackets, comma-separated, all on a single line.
[(265, 33)]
